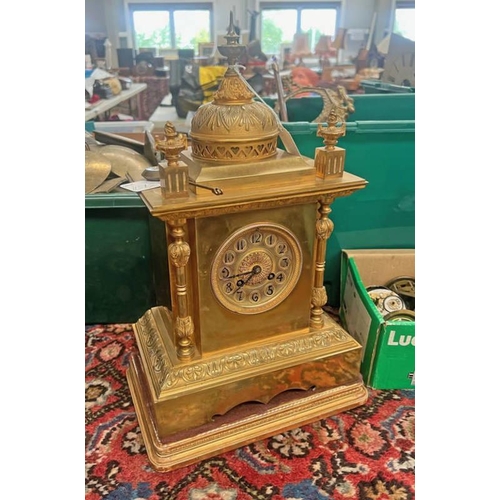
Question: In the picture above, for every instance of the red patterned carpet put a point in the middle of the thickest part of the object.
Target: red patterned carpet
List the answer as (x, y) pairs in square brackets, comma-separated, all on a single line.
[(363, 454)]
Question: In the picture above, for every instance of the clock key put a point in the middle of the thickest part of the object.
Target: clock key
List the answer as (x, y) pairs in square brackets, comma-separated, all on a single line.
[(217, 191)]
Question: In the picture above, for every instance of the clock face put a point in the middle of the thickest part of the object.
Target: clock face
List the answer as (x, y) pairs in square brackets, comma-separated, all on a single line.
[(400, 69), (256, 268)]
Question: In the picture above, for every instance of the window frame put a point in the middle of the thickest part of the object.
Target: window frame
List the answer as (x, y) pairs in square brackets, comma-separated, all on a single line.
[(299, 7), (337, 5), (170, 8), (400, 4)]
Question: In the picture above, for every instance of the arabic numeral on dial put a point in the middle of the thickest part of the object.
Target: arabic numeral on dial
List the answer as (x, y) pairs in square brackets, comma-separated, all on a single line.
[(269, 290), (280, 277), (240, 296), (271, 240), (229, 258), (285, 262), (281, 249), (241, 244), (256, 237), (228, 287), (225, 272), (255, 297)]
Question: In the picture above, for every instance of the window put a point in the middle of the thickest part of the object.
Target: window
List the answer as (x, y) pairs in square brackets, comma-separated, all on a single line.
[(280, 22), (404, 20), (170, 26)]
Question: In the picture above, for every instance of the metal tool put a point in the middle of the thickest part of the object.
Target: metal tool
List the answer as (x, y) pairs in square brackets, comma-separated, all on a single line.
[(119, 140), (217, 191)]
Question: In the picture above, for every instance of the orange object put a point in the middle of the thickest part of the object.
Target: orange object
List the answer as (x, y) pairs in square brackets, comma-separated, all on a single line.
[(305, 77)]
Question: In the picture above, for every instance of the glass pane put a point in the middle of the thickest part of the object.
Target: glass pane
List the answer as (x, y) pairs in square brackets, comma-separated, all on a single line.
[(317, 22), (151, 29), (404, 23), (191, 28), (278, 26)]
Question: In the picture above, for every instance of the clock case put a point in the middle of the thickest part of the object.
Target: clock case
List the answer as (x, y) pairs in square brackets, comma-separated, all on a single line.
[(207, 379)]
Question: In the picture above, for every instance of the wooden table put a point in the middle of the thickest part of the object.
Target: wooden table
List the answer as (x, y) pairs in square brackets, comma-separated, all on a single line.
[(104, 105)]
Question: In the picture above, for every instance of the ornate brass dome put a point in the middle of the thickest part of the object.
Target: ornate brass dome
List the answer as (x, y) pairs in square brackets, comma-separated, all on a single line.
[(233, 127)]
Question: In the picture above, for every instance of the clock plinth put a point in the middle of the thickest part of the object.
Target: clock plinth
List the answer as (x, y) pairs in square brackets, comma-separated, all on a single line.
[(197, 409)]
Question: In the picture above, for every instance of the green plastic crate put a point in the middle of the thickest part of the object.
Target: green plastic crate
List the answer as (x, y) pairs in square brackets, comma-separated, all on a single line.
[(118, 267), (378, 87), (368, 107)]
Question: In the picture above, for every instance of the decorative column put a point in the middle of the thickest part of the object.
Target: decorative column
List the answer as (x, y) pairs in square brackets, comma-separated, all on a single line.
[(178, 253), (324, 229)]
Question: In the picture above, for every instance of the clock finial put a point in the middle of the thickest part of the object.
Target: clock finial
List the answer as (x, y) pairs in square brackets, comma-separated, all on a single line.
[(329, 159), (173, 173)]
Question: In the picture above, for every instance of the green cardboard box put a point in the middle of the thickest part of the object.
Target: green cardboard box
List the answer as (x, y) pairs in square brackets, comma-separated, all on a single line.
[(388, 360)]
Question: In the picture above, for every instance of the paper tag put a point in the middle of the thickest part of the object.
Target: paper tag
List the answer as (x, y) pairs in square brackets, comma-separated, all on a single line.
[(139, 186)]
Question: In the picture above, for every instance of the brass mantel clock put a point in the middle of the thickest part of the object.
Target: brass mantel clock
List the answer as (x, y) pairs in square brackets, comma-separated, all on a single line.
[(242, 349)]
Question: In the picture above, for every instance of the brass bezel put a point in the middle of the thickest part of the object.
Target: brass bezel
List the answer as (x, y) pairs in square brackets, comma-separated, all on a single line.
[(284, 292)]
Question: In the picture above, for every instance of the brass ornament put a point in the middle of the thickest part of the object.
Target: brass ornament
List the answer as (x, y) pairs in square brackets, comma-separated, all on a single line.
[(179, 253), (172, 145), (97, 169), (184, 329), (324, 228), (174, 176), (233, 128), (329, 159), (319, 297), (337, 100), (123, 159)]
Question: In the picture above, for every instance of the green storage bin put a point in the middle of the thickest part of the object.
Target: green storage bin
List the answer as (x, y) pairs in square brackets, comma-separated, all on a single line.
[(378, 87), (368, 107), (382, 215), (118, 268)]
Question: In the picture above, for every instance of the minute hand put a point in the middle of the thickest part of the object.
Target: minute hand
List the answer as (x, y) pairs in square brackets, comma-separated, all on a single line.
[(238, 275), (253, 272)]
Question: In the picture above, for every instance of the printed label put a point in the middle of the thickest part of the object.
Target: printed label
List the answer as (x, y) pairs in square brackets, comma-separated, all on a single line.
[(401, 339)]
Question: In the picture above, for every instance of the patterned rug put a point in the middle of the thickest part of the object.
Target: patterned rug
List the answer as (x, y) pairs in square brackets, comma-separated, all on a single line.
[(363, 454)]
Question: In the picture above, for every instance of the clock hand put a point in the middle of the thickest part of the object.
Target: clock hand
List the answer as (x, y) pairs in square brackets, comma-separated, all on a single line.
[(255, 270), (240, 274)]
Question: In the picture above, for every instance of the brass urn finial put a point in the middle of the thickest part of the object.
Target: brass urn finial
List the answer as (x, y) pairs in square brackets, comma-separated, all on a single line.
[(334, 130), (174, 179), (329, 159), (173, 144)]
